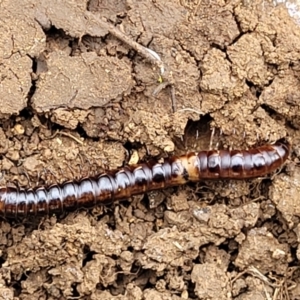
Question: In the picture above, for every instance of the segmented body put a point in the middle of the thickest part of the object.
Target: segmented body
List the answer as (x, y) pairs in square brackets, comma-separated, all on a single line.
[(125, 182)]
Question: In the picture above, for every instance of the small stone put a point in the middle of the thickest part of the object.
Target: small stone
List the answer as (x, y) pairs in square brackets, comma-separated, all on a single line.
[(18, 129), (278, 254)]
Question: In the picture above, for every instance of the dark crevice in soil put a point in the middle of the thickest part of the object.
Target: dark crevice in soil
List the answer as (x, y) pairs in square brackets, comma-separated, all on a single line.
[(295, 261), (255, 90), (74, 45), (217, 46), (191, 290), (17, 285), (2, 260), (270, 81), (130, 147), (88, 5), (27, 112), (190, 52), (75, 293), (271, 112), (82, 133), (53, 34), (88, 255), (195, 132)]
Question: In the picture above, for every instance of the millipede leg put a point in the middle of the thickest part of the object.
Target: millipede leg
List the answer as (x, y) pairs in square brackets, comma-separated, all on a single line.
[(211, 138), (27, 177), (47, 171), (86, 161)]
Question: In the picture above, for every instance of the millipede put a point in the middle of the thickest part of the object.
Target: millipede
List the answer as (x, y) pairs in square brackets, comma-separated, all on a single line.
[(120, 184)]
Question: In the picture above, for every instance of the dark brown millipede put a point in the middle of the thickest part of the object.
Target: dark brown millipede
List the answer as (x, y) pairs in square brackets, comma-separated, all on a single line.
[(125, 182)]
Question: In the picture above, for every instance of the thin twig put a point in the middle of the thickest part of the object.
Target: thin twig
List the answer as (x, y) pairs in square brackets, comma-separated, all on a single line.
[(162, 86), (57, 132), (173, 98), (72, 137), (145, 52)]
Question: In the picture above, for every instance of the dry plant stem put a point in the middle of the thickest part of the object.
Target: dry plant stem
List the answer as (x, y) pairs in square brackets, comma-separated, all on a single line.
[(145, 52), (159, 88), (162, 86), (72, 137), (57, 132), (173, 98)]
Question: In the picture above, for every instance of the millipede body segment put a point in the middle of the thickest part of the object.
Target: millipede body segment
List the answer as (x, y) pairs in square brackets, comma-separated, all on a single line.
[(125, 182)]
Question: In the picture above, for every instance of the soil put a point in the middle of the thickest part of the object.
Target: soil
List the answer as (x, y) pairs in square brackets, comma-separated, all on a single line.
[(77, 100)]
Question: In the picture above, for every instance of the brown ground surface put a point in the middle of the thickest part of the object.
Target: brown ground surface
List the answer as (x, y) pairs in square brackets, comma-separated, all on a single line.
[(73, 96)]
